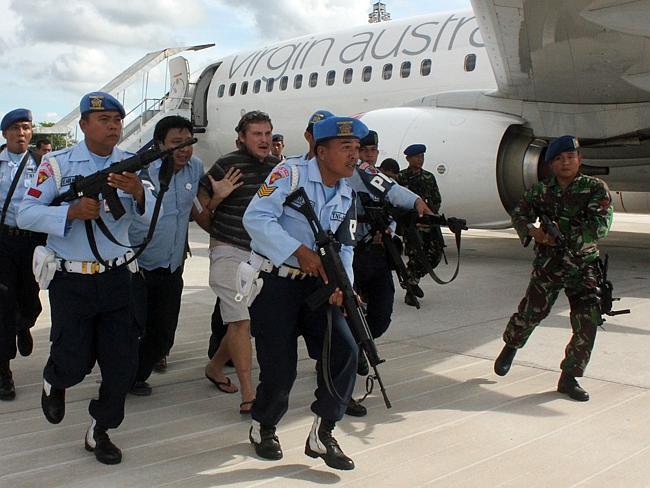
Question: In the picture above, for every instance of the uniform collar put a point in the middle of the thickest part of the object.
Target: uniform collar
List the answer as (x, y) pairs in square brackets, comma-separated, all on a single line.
[(343, 187), (4, 155), (80, 152), (553, 181)]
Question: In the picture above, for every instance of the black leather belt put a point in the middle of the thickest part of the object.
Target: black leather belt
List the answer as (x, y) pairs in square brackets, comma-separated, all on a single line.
[(16, 232)]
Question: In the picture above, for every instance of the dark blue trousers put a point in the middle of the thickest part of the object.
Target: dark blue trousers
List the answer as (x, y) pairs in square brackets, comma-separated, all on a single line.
[(92, 321), (19, 303), (278, 315), (373, 280), (162, 301)]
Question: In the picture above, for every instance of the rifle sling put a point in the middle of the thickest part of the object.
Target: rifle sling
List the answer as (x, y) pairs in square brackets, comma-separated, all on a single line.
[(419, 249)]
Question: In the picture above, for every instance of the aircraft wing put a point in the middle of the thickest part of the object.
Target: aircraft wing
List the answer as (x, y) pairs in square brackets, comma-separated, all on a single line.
[(577, 52)]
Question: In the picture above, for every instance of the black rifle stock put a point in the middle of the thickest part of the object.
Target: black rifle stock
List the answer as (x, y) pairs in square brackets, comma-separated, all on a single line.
[(328, 250), (97, 183)]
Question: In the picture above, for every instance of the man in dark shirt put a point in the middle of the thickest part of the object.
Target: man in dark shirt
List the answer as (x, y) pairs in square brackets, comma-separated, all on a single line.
[(230, 245)]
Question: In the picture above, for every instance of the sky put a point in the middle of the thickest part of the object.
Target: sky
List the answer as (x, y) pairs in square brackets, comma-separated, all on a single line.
[(52, 52)]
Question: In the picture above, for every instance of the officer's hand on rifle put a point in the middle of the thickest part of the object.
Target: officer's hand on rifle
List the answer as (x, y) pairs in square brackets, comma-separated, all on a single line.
[(129, 183), (541, 237), (310, 262), (422, 208), (336, 298), (85, 208)]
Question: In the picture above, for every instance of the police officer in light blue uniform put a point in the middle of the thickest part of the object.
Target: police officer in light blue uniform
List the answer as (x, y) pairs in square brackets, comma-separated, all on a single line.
[(91, 305), (283, 250), (19, 302), (161, 263)]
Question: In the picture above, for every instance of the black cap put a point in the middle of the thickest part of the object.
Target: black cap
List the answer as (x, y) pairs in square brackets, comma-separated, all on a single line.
[(372, 139)]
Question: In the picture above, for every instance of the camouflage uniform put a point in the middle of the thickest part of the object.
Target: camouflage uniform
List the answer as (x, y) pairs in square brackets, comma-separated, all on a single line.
[(424, 185), (583, 213)]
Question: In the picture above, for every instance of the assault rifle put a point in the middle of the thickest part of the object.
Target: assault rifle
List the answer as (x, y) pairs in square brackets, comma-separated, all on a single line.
[(96, 183), (377, 216), (328, 250)]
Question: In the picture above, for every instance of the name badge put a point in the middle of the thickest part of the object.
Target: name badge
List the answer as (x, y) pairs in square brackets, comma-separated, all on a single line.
[(29, 177)]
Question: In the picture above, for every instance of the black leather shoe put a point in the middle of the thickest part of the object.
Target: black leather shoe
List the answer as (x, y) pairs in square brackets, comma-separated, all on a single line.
[(97, 441), (569, 386), (24, 341), (53, 404), (322, 444), (410, 299), (161, 366), (7, 388), (355, 409), (504, 361), (362, 365), (266, 443), (140, 388)]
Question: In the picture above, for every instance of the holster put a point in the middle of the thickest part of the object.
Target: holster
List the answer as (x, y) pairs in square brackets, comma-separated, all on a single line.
[(43, 266), (249, 284)]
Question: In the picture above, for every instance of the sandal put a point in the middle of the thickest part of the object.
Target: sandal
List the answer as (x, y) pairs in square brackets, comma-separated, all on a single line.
[(221, 385), (246, 411)]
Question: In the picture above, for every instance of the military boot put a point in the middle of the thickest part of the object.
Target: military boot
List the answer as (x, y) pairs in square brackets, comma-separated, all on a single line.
[(569, 386), (266, 443), (97, 441), (7, 388), (321, 443), (410, 299), (355, 409), (53, 403), (504, 361)]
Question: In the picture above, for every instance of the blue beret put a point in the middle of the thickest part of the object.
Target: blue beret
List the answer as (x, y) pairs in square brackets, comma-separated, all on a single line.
[(318, 116), (17, 115), (277, 137), (372, 139), (335, 127), (560, 145), (415, 149), (100, 102)]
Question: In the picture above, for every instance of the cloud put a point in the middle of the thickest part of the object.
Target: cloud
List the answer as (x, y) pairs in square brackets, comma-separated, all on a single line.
[(291, 18)]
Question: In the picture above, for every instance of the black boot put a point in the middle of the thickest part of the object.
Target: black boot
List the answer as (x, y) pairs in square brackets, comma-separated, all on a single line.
[(362, 366), (504, 361), (266, 443), (97, 441), (569, 385), (140, 388), (410, 299), (161, 366), (7, 388), (321, 443), (355, 409), (53, 403), (24, 341)]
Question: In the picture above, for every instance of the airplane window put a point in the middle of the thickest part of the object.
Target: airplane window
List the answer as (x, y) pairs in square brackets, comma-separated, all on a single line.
[(313, 80), (256, 86), (284, 81), (470, 62), (232, 89), (297, 82), (269, 84), (387, 72), (331, 77), (425, 67), (367, 73), (347, 76), (243, 88), (406, 69), (222, 88)]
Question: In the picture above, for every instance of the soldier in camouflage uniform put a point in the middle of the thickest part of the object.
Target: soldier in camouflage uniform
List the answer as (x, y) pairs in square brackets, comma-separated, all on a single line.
[(422, 183), (580, 206)]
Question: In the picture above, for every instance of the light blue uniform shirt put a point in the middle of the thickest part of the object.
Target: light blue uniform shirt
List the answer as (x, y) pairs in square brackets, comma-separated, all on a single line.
[(277, 230), (68, 239), (167, 247), (368, 179), (9, 164)]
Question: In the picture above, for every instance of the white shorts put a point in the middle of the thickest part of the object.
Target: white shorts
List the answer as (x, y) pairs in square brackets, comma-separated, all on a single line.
[(224, 261)]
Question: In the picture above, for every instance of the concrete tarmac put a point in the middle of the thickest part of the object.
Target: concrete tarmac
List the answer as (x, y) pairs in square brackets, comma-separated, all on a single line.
[(453, 421)]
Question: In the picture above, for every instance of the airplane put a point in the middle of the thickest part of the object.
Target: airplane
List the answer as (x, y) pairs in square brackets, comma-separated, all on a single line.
[(484, 89)]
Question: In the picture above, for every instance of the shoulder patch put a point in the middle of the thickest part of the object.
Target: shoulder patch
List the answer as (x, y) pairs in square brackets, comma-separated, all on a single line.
[(278, 173), (266, 190), (45, 171), (368, 168)]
